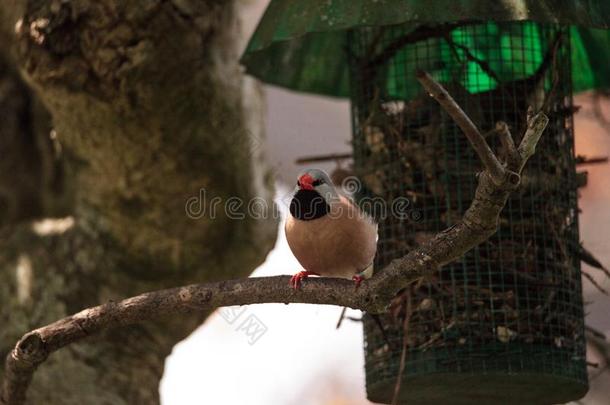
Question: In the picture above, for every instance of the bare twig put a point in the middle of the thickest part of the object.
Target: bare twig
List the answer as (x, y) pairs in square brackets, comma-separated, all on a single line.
[(479, 222), (595, 283), (340, 321), (489, 159), (379, 324), (483, 64), (419, 34), (512, 155), (582, 179), (405, 343), (594, 333), (587, 257), (535, 127), (323, 158), (599, 341), (586, 160)]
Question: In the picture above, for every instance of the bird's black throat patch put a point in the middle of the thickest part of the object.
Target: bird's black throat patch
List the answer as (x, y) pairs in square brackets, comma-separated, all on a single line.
[(307, 205)]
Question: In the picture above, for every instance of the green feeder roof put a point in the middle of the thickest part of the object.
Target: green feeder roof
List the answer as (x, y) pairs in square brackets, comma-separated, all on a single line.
[(301, 44)]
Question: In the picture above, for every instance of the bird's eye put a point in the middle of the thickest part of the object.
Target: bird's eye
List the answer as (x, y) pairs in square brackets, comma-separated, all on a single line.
[(317, 183), (298, 183)]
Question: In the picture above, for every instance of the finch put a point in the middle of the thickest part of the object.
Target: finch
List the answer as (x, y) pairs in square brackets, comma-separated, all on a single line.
[(327, 233)]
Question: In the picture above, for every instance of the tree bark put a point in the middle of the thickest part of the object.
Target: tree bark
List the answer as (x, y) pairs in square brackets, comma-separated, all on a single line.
[(33, 175), (148, 107)]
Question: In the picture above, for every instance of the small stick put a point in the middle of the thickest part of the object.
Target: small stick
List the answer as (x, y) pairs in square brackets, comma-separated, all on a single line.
[(341, 317), (379, 324), (323, 158), (403, 355), (512, 155), (585, 256), (584, 160), (595, 283), (489, 159), (471, 57), (595, 332), (535, 127)]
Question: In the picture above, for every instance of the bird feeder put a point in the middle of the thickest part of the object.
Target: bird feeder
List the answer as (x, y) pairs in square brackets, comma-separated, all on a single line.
[(503, 324)]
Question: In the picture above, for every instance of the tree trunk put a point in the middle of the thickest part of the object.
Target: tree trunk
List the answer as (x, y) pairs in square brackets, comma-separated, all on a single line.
[(149, 111)]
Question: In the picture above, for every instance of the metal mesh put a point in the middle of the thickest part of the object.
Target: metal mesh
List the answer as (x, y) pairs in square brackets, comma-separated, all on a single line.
[(513, 304)]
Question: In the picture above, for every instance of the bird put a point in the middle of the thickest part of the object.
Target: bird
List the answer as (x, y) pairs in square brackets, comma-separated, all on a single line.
[(328, 234)]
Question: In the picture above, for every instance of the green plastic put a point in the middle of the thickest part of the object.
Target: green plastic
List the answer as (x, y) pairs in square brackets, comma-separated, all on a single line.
[(301, 44)]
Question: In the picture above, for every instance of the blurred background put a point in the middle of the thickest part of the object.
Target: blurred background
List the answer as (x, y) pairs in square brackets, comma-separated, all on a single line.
[(295, 354)]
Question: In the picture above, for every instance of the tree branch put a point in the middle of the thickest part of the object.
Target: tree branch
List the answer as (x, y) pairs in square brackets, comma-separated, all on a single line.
[(512, 156), (488, 158), (479, 222), (535, 127)]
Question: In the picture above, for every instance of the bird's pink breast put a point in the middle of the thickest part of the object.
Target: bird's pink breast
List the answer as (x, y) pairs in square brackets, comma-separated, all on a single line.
[(340, 244)]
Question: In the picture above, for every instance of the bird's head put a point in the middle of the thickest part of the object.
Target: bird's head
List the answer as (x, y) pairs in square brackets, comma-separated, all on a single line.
[(313, 195)]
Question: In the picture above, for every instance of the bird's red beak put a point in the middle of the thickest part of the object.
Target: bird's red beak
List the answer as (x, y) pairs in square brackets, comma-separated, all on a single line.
[(305, 182)]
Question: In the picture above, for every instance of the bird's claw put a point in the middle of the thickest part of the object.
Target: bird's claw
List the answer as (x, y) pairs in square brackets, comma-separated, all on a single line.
[(295, 281), (358, 279)]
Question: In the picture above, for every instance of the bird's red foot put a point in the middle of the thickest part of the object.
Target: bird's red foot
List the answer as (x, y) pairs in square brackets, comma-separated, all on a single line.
[(295, 281), (358, 279)]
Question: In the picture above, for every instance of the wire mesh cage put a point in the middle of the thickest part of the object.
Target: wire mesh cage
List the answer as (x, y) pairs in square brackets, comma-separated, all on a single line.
[(504, 324)]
